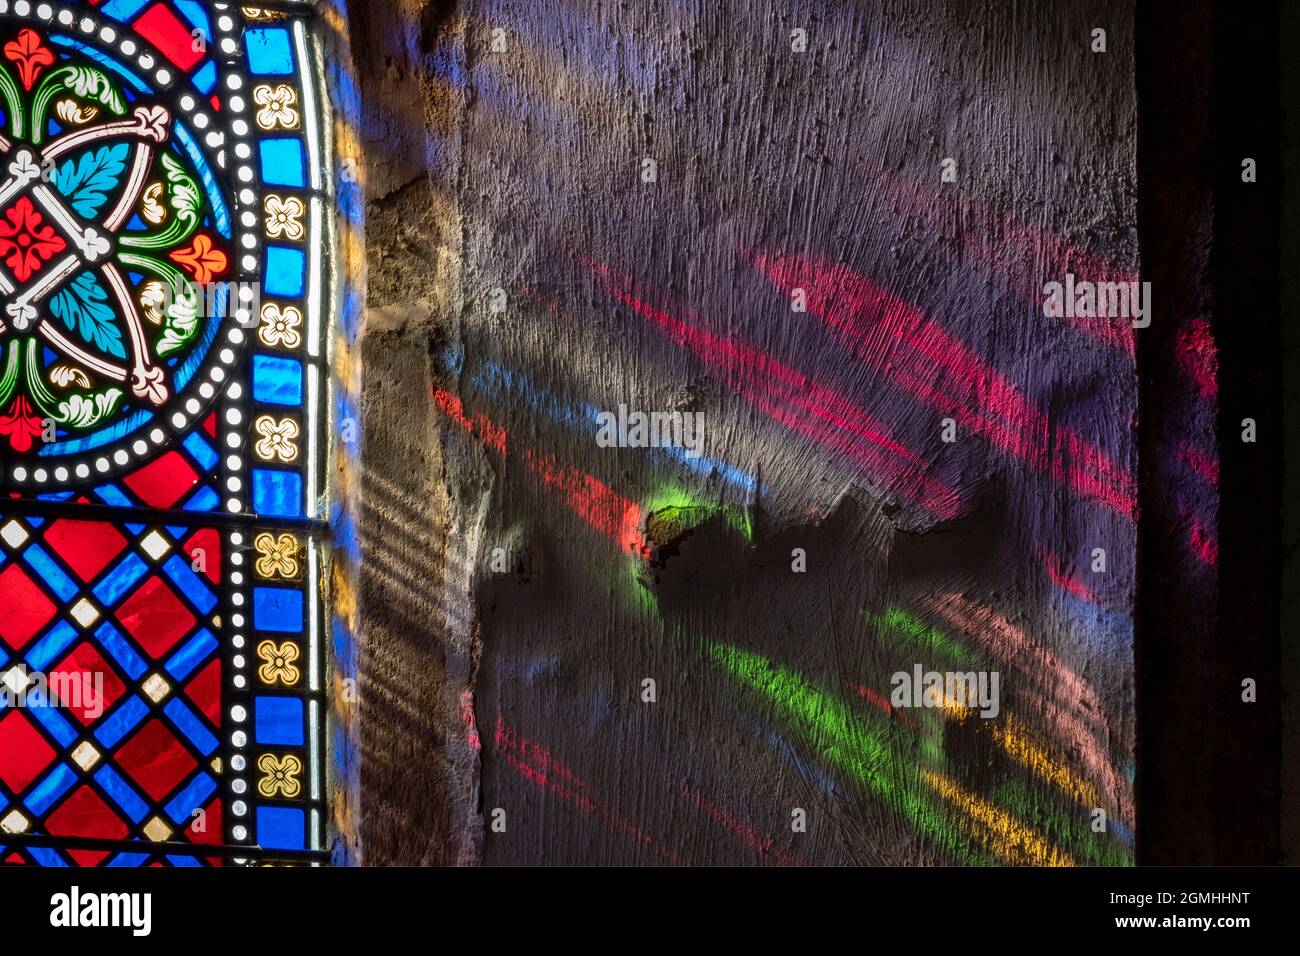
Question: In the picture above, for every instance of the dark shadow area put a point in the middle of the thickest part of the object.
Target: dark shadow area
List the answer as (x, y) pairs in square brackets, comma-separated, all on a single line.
[(1209, 559)]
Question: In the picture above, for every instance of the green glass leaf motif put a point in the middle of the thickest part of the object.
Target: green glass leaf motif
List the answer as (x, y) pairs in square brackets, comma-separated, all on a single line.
[(89, 83), (182, 190), (86, 411), (84, 82), (182, 321), (186, 202), (83, 307)]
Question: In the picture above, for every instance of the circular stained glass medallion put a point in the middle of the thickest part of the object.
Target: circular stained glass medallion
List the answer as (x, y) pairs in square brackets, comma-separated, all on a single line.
[(122, 254)]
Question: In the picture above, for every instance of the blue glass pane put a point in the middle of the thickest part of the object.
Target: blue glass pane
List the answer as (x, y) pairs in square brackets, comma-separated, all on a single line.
[(193, 11), (194, 588), (203, 453), (285, 272), (282, 162), (128, 571), (280, 828), (124, 9), (120, 649), (278, 720), (277, 493), (277, 609), (121, 792), (277, 381), (188, 723), (195, 652), (194, 795), (56, 783), (40, 561), (112, 495), (205, 499), (206, 78), (55, 724), (122, 722), (49, 647), (270, 52)]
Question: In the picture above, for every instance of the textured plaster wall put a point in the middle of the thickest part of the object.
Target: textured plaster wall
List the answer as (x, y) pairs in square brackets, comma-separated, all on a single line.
[(524, 274)]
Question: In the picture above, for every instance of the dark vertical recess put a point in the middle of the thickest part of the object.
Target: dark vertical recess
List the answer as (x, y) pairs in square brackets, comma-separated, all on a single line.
[(1173, 622), (1246, 123), (1208, 764), (1290, 311)]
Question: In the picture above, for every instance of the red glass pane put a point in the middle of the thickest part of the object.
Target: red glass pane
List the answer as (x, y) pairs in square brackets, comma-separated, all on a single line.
[(160, 26), (155, 617), (205, 691), (86, 546), (84, 814), (208, 542), (88, 702), (164, 482), (211, 832), (155, 760), (24, 609), (24, 754)]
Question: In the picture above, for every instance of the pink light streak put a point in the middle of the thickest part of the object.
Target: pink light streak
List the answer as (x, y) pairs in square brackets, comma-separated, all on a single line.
[(1206, 466), (1022, 256), (1066, 703), (1198, 357), (1061, 577), (539, 766), (1203, 544), (604, 509), (607, 511), (763, 845), (798, 403), (882, 703), (899, 341)]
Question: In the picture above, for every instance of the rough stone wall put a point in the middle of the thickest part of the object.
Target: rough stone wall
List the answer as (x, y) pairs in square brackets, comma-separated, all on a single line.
[(666, 205), (418, 780)]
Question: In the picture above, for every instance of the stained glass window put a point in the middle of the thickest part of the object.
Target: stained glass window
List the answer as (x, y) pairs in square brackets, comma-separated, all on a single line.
[(165, 255)]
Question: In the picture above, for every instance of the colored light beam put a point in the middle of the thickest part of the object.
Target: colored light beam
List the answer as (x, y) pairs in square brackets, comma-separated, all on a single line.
[(792, 399), (1202, 542), (999, 830), (490, 434), (604, 509), (762, 845), (1016, 740), (1012, 736), (1067, 704), (539, 766), (501, 383), (920, 635), (843, 740), (1060, 576), (1206, 466), (1198, 357), (598, 504), (881, 703), (936, 368), (1006, 246), (1070, 828)]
